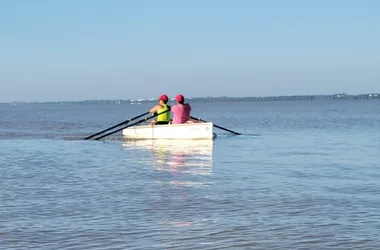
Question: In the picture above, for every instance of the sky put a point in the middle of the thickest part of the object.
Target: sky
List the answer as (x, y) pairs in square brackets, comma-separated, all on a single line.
[(122, 49)]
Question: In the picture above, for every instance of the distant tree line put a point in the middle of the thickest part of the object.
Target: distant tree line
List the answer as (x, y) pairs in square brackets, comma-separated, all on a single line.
[(342, 96)]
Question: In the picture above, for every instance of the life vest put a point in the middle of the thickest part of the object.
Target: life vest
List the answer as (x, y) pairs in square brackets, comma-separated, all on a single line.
[(165, 117)]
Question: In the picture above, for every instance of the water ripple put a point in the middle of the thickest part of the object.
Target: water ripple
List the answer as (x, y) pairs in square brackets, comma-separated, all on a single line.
[(309, 181)]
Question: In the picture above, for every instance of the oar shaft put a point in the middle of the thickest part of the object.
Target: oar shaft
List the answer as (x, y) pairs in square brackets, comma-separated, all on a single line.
[(117, 125), (101, 132), (236, 133), (117, 130), (140, 121), (216, 126)]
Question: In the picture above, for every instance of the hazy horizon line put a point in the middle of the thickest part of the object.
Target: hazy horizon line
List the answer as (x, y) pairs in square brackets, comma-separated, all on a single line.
[(208, 97)]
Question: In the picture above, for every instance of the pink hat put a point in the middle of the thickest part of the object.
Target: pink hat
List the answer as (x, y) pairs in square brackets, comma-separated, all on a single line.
[(179, 98), (163, 98)]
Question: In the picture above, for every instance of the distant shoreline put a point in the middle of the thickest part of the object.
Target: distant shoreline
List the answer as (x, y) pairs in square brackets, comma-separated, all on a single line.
[(341, 96)]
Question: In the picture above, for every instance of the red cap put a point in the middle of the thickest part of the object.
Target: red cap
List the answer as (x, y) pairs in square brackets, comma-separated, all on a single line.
[(163, 98), (179, 98)]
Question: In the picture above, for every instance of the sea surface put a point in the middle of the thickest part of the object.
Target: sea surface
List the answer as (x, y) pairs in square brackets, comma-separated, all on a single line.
[(303, 175)]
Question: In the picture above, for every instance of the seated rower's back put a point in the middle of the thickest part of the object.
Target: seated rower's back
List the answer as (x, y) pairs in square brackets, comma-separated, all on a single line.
[(159, 108), (181, 111)]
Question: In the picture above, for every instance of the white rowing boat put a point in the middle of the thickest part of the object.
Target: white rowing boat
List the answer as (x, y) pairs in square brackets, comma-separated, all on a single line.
[(187, 131)]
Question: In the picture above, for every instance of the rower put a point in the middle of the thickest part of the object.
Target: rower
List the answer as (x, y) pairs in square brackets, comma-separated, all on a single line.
[(159, 108), (181, 111)]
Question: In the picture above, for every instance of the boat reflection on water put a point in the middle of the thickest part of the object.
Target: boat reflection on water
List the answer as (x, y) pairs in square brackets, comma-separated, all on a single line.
[(184, 171), (178, 156)]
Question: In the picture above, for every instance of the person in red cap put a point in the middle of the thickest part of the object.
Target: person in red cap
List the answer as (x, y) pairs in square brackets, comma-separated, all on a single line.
[(181, 111), (159, 108)]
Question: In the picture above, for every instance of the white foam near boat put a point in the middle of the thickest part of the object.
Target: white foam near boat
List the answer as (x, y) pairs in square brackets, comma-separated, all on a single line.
[(187, 131)]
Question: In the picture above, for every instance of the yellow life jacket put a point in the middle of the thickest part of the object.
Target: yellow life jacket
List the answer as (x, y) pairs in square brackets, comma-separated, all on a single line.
[(165, 117)]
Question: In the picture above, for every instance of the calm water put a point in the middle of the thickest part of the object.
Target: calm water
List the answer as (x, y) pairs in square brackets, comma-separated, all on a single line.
[(305, 175)]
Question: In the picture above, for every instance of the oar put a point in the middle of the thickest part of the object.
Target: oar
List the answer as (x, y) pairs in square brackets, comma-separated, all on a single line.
[(140, 121), (117, 125), (216, 126)]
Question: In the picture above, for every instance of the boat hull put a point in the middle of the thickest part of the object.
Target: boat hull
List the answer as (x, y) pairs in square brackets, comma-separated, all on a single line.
[(187, 131)]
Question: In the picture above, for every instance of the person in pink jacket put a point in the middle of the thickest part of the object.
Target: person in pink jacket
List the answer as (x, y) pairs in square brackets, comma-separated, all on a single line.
[(181, 111)]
